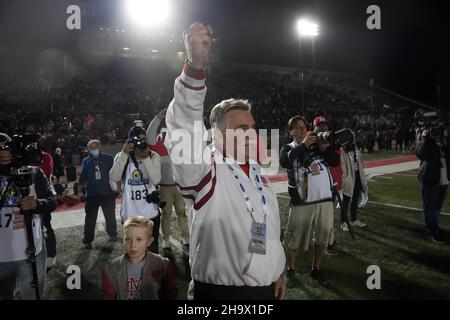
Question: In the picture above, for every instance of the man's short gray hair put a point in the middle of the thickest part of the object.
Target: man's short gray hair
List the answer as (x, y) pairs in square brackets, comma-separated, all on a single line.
[(217, 115), (91, 142)]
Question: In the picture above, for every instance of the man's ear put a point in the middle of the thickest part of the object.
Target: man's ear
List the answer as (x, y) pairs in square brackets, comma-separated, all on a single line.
[(219, 137)]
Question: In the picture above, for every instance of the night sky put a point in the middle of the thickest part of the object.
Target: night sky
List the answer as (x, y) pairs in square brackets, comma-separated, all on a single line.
[(408, 55)]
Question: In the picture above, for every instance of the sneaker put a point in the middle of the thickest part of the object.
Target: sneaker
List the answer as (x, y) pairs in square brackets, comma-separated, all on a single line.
[(344, 227), (318, 277), (165, 243), (291, 279), (331, 250), (358, 224)]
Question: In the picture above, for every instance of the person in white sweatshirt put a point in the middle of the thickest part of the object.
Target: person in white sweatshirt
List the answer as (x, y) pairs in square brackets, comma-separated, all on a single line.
[(234, 221), (137, 172)]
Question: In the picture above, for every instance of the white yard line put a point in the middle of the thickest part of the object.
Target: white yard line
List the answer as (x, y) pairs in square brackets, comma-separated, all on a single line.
[(403, 207)]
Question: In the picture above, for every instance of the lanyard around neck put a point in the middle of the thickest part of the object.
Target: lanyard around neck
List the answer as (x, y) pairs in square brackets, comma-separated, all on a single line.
[(248, 203)]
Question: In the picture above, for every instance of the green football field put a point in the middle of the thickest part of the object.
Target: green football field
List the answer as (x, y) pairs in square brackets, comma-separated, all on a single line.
[(412, 267)]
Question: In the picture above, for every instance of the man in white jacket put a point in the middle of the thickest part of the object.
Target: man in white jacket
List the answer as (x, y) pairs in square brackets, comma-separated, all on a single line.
[(234, 222)]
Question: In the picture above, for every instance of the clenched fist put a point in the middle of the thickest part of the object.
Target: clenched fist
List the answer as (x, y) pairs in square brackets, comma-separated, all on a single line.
[(197, 40)]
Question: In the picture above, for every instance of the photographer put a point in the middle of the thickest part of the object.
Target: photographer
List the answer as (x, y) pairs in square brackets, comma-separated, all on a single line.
[(15, 263), (307, 159), (137, 170), (94, 182), (434, 152)]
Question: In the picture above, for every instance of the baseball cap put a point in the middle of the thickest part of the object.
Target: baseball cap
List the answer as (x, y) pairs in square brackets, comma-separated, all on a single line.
[(319, 120), (135, 131)]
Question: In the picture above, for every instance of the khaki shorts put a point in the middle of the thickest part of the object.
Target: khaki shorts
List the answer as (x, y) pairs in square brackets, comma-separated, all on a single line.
[(306, 222)]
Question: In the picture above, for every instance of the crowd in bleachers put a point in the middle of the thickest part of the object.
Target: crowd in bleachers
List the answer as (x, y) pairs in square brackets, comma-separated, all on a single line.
[(104, 106)]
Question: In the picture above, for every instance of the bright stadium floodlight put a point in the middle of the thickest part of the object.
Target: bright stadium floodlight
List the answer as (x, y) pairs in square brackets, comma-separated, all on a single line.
[(148, 13), (307, 28)]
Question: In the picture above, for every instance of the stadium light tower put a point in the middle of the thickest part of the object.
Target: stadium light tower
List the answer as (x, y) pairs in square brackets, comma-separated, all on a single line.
[(306, 29), (148, 13)]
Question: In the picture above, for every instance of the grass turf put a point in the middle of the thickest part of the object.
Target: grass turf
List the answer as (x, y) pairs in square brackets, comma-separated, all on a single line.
[(412, 267)]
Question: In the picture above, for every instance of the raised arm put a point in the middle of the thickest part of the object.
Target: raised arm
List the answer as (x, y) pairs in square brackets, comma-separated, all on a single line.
[(120, 161), (184, 119)]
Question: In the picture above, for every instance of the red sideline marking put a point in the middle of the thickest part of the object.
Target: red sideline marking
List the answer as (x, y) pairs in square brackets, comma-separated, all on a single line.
[(386, 162), (65, 207), (76, 206), (378, 163)]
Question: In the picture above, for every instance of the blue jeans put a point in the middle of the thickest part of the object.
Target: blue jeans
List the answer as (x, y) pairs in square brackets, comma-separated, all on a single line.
[(433, 197), (21, 271)]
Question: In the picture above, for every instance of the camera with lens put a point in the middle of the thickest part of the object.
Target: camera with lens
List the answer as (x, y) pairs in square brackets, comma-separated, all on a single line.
[(435, 131), (24, 151), (155, 197), (139, 143), (336, 139)]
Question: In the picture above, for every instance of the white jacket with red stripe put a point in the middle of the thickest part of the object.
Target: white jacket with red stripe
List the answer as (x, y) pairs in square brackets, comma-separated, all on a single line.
[(219, 223)]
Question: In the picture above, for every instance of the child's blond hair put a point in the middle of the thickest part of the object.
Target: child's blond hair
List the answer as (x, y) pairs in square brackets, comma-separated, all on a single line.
[(139, 221)]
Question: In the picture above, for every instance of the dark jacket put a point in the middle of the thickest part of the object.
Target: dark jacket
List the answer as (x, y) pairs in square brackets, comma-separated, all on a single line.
[(429, 153), (58, 165), (95, 187), (303, 155)]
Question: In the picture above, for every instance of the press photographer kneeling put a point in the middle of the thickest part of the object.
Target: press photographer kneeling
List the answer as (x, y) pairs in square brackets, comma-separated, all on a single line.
[(137, 171), (25, 195), (307, 159)]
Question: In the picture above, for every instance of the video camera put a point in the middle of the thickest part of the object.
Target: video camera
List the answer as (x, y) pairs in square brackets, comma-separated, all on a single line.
[(434, 130), (336, 139), (24, 152)]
